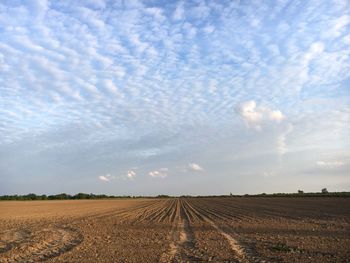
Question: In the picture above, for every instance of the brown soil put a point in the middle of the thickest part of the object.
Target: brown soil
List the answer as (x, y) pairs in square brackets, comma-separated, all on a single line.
[(177, 230)]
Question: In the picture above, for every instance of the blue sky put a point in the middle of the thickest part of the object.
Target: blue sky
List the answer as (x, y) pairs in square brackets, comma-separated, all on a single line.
[(174, 97)]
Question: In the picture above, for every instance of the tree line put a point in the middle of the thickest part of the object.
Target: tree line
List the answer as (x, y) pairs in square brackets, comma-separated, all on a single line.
[(62, 196), (299, 194), (79, 196)]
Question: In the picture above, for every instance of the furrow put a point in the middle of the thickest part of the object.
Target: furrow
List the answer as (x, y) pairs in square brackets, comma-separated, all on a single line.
[(234, 244)]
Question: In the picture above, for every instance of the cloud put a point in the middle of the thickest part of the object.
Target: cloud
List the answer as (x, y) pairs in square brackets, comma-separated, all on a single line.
[(161, 173), (269, 120), (109, 85), (195, 167), (281, 139), (131, 174), (105, 178), (208, 29), (38, 7), (255, 116), (275, 115), (329, 164), (179, 12), (338, 26), (103, 82), (269, 174)]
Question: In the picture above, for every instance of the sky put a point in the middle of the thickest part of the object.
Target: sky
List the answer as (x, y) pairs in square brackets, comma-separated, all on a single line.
[(174, 97)]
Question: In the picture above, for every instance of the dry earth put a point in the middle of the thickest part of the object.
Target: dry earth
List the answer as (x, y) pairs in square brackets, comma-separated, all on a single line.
[(177, 230)]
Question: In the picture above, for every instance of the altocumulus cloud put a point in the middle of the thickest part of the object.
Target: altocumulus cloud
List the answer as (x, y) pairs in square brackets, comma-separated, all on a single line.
[(136, 82)]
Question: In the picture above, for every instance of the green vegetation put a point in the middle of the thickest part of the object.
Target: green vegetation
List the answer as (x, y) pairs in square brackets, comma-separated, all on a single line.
[(163, 196), (302, 194), (62, 196), (79, 196), (299, 194)]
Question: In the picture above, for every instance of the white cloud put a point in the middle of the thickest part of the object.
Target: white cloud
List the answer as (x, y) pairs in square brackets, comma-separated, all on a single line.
[(95, 4), (209, 29), (262, 117), (255, 116), (276, 115), (281, 140), (121, 71), (179, 12), (131, 174), (38, 7), (314, 51), (339, 26), (109, 85), (161, 173), (248, 111), (330, 164), (317, 48), (255, 23), (195, 167), (105, 178), (268, 174)]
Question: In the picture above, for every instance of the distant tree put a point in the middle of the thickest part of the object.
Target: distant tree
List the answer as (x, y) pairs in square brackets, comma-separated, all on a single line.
[(162, 196), (62, 196), (300, 191), (324, 191), (82, 196), (30, 197)]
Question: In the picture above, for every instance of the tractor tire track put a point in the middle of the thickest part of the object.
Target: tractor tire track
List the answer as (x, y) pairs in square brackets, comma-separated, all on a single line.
[(182, 245), (31, 244), (40, 245), (174, 235), (235, 246)]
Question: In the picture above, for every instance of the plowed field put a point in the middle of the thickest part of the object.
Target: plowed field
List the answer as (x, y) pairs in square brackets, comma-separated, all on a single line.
[(177, 230)]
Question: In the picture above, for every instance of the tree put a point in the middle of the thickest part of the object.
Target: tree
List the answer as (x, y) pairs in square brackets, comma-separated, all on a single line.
[(82, 196), (324, 191)]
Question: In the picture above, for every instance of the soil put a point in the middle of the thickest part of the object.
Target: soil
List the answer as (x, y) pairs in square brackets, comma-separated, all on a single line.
[(228, 229)]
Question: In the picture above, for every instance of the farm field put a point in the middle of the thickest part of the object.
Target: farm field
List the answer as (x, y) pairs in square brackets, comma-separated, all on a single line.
[(177, 230)]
